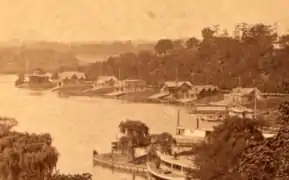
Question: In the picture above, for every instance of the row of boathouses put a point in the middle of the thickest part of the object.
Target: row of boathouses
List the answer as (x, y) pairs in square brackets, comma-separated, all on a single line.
[(207, 101)]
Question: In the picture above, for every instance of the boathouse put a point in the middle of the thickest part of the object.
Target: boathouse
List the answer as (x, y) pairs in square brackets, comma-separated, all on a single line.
[(210, 112), (178, 89), (105, 82), (130, 86), (241, 112), (243, 95), (70, 78), (174, 91), (38, 77), (201, 91)]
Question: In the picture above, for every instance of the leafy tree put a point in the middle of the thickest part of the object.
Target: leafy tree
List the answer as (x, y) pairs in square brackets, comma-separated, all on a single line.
[(163, 46), (218, 158), (268, 159), (135, 130), (26, 156), (165, 141), (208, 33), (218, 59), (192, 43), (237, 149), (58, 176)]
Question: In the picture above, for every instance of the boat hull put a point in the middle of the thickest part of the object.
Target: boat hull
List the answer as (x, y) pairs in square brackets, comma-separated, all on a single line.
[(43, 86), (153, 173)]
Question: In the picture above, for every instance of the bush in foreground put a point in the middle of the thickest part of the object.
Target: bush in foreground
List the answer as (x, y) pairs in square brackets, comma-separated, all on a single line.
[(237, 150), (25, 156)]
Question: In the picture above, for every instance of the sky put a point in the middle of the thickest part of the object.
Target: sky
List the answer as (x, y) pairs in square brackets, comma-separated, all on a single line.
[(107, 20)]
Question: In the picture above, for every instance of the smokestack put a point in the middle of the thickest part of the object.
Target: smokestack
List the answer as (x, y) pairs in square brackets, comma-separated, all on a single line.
[(198, 123), (178, 118)]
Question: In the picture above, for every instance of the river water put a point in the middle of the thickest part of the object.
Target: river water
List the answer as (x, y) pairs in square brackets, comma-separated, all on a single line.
[(80, 124)]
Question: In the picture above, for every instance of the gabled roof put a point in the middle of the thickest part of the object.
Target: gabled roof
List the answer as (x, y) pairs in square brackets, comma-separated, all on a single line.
[(70, 74), (106, 78), (245, 91), (177, 84), (199, 88)]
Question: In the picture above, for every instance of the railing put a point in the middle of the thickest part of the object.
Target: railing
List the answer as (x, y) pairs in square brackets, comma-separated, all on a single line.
[(153, 171), (97, 160)]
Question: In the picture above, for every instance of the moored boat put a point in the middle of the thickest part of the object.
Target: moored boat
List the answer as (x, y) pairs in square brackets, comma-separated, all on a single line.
[(171, 167)]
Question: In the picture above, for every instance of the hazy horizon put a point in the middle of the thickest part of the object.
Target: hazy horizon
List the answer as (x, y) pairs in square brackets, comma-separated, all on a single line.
[(135, 20)]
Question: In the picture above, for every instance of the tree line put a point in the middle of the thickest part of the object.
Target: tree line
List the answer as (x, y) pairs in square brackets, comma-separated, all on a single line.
[(253, 56)]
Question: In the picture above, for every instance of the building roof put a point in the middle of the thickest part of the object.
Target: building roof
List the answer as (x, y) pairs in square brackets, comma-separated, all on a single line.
[(106, 78), (139, 81), (46, 74), (210, 109), (240, 109), (199, 88), (124, 83), (70, 74), (245, 91), (177, 84), (159, 95)]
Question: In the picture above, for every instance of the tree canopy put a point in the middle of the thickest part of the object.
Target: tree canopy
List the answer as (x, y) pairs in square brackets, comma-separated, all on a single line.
[(218, 59), (25, 156), (236, 149), (136, 131)]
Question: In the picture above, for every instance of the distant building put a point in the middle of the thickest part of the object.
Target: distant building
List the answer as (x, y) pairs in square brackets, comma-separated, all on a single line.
[(130, 85), (38, 77), (210, 112), (105, 82), (243, 95), (217, 112), (70, 77), (178, 89), (183, 91), (241, 112), (200, 91)]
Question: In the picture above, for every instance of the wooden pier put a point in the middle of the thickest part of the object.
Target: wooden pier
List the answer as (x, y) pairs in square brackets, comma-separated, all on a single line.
[(141, 170)]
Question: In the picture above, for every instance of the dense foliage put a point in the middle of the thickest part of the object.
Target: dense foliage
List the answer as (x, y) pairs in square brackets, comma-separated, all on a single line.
[(220, 154), (84, 176), (165, 141), (255, 55), (26, 156), (268, 159), (136, 131), (237, 150)]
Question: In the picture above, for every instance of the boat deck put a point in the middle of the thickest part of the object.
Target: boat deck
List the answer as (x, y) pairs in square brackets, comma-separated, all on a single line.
[(163, 173)]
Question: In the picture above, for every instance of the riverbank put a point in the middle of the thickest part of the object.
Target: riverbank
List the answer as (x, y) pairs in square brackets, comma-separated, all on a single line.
[(88, 121)]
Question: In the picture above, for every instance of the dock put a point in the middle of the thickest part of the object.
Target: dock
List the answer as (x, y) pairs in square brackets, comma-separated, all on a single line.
[(140, 170)]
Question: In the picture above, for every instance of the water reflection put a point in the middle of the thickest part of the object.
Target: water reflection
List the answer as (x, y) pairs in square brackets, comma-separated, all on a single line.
[(81, 124)]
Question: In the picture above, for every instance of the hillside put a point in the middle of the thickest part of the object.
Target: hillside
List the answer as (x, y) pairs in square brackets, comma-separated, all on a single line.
[(254, 56), (51, 56)]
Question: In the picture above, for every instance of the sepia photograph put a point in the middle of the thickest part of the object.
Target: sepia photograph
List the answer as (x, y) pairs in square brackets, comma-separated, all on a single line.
[(144, 90)]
